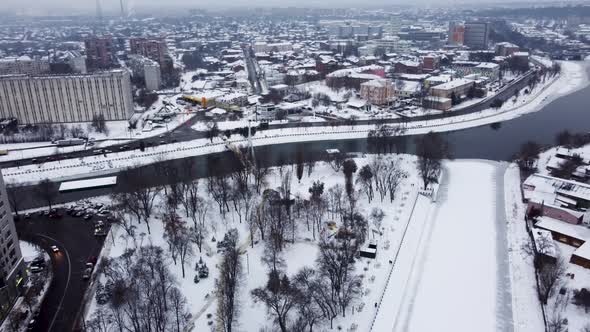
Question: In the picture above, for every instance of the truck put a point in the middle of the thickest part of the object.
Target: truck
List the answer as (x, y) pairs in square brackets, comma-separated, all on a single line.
[(70, 142)]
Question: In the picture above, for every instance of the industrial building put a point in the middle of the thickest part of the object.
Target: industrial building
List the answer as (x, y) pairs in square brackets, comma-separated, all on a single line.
[(458, 87), (66, 98), (12, 266)]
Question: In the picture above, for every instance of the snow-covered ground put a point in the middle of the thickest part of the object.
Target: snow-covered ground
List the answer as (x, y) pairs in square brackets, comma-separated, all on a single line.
[(456, 284), (526, 308), (302, 253), (29, 250)]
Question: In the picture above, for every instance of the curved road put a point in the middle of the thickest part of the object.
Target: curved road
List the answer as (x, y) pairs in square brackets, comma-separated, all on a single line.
[(77, 243)]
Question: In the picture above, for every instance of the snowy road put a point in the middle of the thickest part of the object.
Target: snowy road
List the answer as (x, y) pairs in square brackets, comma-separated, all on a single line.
[(459, 277)]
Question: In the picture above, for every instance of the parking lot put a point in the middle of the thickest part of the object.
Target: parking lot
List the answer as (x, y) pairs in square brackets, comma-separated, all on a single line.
[(72, 242)]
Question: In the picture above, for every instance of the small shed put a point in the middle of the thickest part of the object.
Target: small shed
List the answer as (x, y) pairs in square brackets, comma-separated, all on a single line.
[(369, 251)]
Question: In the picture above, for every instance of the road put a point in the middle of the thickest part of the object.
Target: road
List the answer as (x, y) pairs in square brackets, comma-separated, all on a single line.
[(77, 244), (185, 133)]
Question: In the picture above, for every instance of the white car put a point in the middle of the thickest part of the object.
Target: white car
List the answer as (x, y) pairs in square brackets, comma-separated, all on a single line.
[(55, 249)]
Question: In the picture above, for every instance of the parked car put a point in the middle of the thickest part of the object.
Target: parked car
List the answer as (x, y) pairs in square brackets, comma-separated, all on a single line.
[(39, 261), (36, 269), (87, 273), (88, 216), (55, 249), (31, 325)]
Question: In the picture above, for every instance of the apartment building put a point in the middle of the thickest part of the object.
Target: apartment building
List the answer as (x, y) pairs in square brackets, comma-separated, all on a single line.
[(146, 69), (150, 48), (476, 35), (99, 52), (378, 92), (23, 65), (12, 266), (66, 98)]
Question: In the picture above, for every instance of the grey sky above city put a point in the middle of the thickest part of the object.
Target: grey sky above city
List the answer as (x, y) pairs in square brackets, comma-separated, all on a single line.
[(75, 6)]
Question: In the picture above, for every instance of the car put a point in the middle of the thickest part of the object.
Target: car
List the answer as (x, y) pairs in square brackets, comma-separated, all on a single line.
[(107, 151), (99, 151), (46, 213), (162, 142), (36, 269), (31, 325), (27, 215), (55, 249), (38, 261), (79, 214), (98, 205), (161, 136), (90, 265), (88, 216), (92, 260), (100, 231), (87, 274)]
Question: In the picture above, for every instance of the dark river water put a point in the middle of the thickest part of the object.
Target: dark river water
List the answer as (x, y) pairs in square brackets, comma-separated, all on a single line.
[(498, 142)]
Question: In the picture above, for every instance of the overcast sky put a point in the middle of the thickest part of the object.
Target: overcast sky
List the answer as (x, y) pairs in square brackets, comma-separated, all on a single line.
[(76, 6)]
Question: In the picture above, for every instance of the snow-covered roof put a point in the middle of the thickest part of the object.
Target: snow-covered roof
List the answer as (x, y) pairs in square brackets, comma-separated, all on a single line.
[(544, 242), (453, 84), (88, 183), (583, 251), (356, 70), (487, 65), (378, 83), (538, 184), (577, 232)]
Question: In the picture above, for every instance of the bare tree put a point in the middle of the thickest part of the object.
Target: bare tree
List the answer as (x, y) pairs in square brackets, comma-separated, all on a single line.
[(179, 310), (46, 191), (16, 195), (431, 149), (141, 196), (365, 178), (280, 297), (227, 285), (549, 276)]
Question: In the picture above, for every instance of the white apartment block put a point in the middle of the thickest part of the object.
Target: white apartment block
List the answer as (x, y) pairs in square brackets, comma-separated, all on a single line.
[(147, 69), (23, 65), (12, 267), (263, 47), (66, 98)]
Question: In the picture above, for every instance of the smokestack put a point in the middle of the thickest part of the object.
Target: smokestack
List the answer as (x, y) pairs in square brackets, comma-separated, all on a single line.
[(122, 8), (98, 10)]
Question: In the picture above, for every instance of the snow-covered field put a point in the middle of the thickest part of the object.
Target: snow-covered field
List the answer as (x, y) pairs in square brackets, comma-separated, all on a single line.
[(456, 288)]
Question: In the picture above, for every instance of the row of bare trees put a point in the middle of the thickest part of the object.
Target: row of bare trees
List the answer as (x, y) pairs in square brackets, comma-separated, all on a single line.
[(142, 295)]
